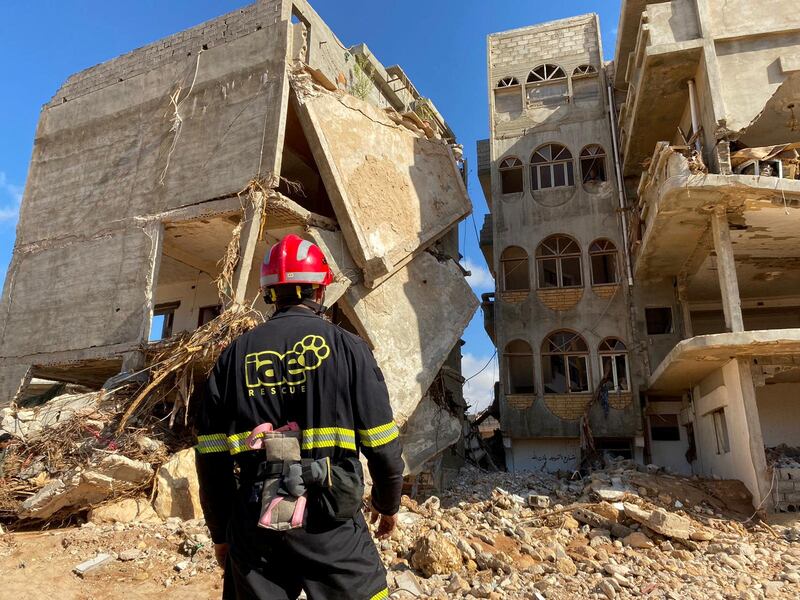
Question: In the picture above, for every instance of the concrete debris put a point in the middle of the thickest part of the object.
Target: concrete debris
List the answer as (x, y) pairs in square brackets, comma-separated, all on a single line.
[(127, 510), (177, 488), (92, 564)]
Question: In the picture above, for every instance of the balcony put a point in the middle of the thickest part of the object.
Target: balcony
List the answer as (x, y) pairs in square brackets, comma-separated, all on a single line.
[(487, 306), (485, 170)]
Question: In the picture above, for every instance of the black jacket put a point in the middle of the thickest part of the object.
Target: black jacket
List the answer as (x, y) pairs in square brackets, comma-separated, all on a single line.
[(295, 367)]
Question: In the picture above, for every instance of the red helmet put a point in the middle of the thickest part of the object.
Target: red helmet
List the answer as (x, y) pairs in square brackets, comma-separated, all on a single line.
[(295, 261)]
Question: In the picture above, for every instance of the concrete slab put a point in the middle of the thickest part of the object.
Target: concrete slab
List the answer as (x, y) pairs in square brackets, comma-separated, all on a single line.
[(394, 193), (693, 359), (413, 320), (428, 432)]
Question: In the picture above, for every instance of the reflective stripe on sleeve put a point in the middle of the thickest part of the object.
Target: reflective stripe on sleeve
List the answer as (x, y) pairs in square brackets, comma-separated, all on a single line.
[(328, 437), (212, 443), (378, 436)]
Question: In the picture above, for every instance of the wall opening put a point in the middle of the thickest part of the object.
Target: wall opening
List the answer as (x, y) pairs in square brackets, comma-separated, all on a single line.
[(511, 175), (603, 258), (519, 367), (614, 364), (514, 267), (552, 167), (565, 363), (659, 320), (558, 262)]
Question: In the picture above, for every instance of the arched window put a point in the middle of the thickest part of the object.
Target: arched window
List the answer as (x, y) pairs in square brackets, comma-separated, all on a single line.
[(558, 262), (511, 175), (507, 82), (593, 164), (546, 73), (551, 166), (565, 363), (519, 367), (614, 364), (514, 266), (603, 258), (584, 71)]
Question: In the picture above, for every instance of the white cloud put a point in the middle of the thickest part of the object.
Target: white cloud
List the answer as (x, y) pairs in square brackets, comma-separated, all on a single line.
[(481, 279), (478, 391), (9, 210)]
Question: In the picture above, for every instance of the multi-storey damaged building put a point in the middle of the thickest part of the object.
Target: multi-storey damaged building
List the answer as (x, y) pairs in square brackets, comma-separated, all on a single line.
[(246, 127), (700, 162)]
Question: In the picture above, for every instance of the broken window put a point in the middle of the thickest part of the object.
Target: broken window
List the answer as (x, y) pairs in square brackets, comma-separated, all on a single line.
[(507, 82), (558, 262), (664, 428), (514, 265), (659, 320), (519, 365), (614, 364), (546, 73), (603, 258), (565, 363), (511, 175), (593, 164), (163, 320), (584, 71), (721, 431), (551, 167), (208, 313)]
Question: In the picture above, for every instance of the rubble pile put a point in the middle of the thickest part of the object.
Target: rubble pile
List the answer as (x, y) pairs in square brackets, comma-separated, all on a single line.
[(620, 533)]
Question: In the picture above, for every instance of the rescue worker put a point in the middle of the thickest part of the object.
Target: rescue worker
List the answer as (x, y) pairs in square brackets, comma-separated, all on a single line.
[(297, 368)]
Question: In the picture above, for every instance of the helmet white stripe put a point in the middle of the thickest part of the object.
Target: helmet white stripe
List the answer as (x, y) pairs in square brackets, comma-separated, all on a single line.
[(313, 277), (302, 250)]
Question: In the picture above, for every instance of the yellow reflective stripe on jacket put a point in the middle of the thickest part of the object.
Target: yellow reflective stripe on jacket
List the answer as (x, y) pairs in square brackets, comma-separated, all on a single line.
[(378, 436), (216, 442), (238, 442), (382, 595), (327, 437)]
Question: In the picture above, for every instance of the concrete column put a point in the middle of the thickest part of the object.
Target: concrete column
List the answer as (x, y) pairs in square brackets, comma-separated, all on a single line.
[(755, 439), (726, 271), (253, 215), (683, 301)]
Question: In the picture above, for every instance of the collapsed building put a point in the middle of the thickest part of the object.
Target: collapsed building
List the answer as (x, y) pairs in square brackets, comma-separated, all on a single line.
[(643, 236), (166, 173)]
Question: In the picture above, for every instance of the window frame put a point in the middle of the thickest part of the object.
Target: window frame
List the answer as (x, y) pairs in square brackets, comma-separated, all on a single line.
[(550, 73), (613, 354), (557, 159), (167, 310), (504, 283), (546, 353), (584, 70), (509, 388), (509, 81), (604, 252), (503, 167), (559, 256), (721, 436), (211, 307), (585, 155)]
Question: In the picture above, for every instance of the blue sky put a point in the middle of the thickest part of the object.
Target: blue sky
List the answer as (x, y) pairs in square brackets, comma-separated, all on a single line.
[(440, 44)]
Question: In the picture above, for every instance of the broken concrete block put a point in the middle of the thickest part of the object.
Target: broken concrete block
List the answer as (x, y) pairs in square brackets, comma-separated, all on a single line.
[(132, 554), (178, 491), (670, 524), (127, 510), (404, 321), (122, 468), (427, 433), (537, 501), (92, 563), (393, 192)]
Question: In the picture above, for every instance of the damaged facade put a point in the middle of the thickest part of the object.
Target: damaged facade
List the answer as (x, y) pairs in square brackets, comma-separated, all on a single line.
[(245, 128), (705, 175)]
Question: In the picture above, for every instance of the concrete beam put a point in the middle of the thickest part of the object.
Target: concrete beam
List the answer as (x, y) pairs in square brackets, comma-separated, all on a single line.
[(726, 271)]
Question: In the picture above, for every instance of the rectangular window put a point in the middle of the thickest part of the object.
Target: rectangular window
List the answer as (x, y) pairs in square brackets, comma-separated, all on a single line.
[(545, 177), (515, 274), (559, 175), (511, 180), (664, 428), (604, 268), (548, 272), (571, 272), (208, 313), (659, 320), (578, 374), (163, 320), (520, 375), (554, 375), (721, 431), (615, 367)]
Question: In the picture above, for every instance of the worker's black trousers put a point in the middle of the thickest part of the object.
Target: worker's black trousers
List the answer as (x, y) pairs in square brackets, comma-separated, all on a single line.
[(329, 564)]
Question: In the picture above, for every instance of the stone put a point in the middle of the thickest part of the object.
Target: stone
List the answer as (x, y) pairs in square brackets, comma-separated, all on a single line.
[(637, 540), (129, 555), (177, 488), (122, 468), (127, 510), (538, 501), (669, 524), (406, 580), (566, 566), (434, 554), (607, 589), (457, 584)]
